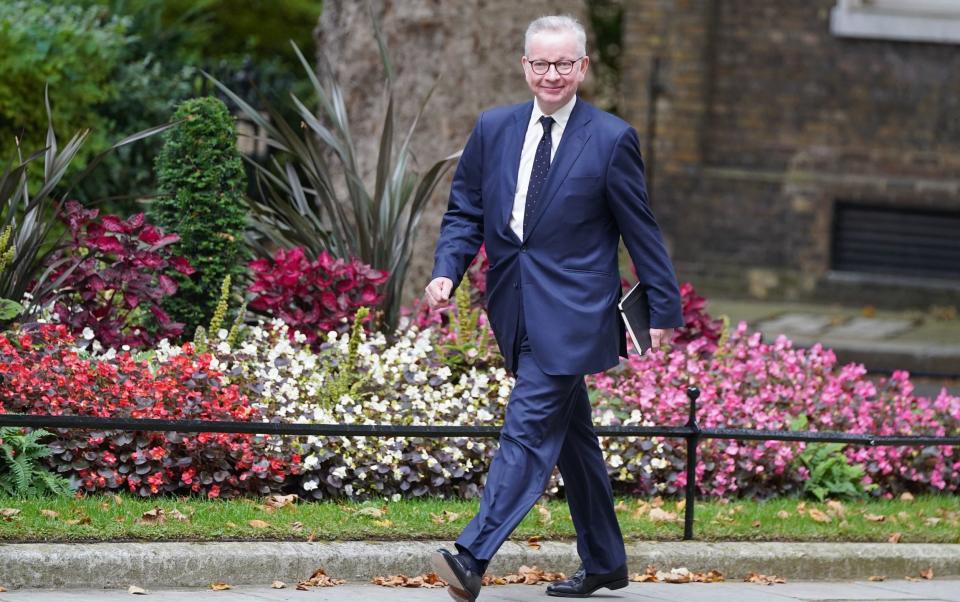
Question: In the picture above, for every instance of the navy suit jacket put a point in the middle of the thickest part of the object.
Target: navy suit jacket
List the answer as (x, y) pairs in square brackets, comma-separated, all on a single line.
[(564, 274)]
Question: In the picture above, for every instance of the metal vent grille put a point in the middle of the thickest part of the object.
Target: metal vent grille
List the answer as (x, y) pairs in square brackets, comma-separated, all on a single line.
[(885, 240)]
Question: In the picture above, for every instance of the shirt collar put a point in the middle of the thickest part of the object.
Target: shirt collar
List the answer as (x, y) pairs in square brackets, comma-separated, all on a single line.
[(560, 116)]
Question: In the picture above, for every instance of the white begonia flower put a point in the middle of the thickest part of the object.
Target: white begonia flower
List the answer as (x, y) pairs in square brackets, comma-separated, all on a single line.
[(222, 334), (615, 461), (395, 497), (87, 333), (340, 472), (310, 484)]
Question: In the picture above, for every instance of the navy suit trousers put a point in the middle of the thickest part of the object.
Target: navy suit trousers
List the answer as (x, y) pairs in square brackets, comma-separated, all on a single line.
[(548, 423)]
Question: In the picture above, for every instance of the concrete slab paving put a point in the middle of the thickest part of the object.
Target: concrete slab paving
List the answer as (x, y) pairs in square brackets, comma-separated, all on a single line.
[(871, 329), (795, 324), (824, 591)]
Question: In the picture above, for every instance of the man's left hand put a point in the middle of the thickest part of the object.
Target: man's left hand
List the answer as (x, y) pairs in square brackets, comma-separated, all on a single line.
[(660, 335)]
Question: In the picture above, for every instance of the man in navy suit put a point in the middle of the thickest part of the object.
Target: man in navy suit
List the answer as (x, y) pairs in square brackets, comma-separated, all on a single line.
[(550, 186)]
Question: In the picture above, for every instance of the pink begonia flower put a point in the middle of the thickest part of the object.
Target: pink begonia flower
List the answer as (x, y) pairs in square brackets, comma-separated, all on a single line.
[(747, 383)]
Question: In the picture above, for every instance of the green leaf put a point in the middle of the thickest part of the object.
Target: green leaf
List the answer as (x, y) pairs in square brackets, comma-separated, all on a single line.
[(9, 309)]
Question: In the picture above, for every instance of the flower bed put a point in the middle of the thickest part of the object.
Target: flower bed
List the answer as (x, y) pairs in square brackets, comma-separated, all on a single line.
[(43, 374), (750, 384)]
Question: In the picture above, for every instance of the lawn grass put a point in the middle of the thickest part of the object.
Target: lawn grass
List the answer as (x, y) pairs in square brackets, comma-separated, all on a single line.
[(928, 518)]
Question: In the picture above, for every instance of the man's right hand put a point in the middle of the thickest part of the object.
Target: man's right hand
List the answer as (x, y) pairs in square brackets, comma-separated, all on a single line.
[(438, 292)]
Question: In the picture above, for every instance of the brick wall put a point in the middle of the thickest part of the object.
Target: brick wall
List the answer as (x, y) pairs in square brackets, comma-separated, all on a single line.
[(755, 120)]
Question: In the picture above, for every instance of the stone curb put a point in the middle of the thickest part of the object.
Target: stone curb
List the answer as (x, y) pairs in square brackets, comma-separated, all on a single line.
[(168, 565)]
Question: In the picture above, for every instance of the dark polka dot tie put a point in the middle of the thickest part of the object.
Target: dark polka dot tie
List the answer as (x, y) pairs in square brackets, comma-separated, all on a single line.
[(538, 175)]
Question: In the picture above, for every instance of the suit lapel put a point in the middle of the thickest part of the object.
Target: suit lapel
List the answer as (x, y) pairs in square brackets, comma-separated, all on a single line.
[(511, 159), (574, 138)]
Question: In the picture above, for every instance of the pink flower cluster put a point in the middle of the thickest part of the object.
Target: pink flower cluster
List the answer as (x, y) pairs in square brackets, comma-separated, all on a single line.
[(748, 383)]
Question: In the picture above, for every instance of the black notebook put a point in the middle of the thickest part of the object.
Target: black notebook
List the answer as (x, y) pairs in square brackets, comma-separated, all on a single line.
[(635, 310)]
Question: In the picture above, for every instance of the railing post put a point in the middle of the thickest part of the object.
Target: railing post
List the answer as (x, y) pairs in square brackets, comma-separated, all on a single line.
[(693, 440)]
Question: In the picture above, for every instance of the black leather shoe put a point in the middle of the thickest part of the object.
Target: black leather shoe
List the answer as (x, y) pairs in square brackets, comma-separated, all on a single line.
[(463, 583), (583, 584)]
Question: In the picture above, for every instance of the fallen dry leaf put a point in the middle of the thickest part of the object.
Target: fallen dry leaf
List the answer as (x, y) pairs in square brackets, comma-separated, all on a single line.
[(296, 527), (49, 513), (783, 514), (258, 524), (83, 520), (927, 574), (281, 501), (428, 580), (931, 521), (621, 506), (894, 538), (755, 524), (383, 523), (659, 515), (877, 518), (763, 579), (657, 502), (836, 508), (229, 525), (677, 575), (681, 504), (642, 508), (877, 578), (819, 516), (319, 578), (278, 585), (135, 590), (526, 575), (801, 507), (219, 586), (445, 517), (534, 542), (650, 574), (180, 516), (150, 517), (372, 512), (9, 512), (117, 500), (711, 576), (545, 518), (906, 496), (2, 589)]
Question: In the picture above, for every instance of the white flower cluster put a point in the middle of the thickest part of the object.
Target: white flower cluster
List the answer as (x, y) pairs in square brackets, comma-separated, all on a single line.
[(402, 381)]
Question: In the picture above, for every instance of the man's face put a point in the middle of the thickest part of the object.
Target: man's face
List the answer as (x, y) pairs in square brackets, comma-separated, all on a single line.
[(552, 89)]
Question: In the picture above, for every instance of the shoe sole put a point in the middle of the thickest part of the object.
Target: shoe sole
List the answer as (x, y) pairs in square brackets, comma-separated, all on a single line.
[(454, 587), (618, 584)]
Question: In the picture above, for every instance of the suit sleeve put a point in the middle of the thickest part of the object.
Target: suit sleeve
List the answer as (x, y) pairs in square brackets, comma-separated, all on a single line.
[(627, 197), (461, 230)]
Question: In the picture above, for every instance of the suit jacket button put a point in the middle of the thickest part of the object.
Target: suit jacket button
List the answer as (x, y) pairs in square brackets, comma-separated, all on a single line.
[(523, 248), (516, 285)]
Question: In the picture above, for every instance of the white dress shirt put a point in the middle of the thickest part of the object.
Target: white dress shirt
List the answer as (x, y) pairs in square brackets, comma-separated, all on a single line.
[(530, 142)]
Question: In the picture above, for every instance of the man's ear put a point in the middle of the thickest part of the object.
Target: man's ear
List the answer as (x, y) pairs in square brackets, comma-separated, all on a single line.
[(584, 64)]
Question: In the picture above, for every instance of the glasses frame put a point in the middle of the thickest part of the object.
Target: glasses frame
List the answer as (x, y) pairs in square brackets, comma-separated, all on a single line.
[(554, 65)]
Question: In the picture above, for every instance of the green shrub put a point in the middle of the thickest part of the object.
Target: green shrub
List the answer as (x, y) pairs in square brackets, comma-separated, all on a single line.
[(20, 473), (201, 183), (70, 48), (831, 473)]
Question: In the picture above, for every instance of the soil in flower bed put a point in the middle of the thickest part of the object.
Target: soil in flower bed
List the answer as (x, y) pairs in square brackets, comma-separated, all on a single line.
[(927, 518)]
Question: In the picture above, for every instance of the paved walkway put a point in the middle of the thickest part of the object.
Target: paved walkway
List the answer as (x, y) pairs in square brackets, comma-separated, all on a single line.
[(940, 590), (918, 340)]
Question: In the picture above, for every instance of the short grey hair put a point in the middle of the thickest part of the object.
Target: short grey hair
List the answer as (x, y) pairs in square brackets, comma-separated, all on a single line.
[(556, 23)]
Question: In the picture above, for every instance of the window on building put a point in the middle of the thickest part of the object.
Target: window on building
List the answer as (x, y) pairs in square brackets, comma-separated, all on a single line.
[(922, 243), (907, 20)]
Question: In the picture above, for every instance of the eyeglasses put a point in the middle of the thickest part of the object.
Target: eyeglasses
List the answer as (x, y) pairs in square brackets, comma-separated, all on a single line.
[(540, 67)]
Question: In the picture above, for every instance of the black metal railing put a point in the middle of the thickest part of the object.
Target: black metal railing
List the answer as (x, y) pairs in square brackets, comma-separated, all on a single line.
[(691, 432)]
